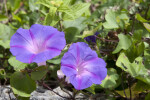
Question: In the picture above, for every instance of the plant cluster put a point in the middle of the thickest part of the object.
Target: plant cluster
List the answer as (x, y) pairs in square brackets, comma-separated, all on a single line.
[(85, 46)]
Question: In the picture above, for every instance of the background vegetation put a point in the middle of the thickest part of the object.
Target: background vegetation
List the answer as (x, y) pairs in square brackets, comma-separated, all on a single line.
[(123, 42)]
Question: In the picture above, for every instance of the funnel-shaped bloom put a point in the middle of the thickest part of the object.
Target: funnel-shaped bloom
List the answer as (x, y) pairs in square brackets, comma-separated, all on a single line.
[(37, 44), (83, 67), (91, 38)]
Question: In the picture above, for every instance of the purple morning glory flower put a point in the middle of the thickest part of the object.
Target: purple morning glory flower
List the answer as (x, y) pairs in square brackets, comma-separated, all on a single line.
[(37, 44), (82, 66), (91, 38)]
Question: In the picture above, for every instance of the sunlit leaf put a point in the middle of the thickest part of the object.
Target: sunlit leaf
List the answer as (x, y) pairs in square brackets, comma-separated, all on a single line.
[(124, 43), (110, 20), (110, 80), (3, 18), (33, 6), (51, 18), (17, 65), (147, 26), (140, 18)]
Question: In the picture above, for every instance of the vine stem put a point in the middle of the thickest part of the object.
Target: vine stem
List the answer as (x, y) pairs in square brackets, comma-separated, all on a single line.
[(106, 39), (16, 11), (129, 88), (123, 86), (60, 25), (147, 11), (5, 3), (46, 86)]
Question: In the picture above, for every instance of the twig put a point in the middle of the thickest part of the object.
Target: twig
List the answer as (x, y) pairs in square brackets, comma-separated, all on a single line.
[(106, 39), (60, 25), (5, 3), (146, 12), (16, 11), (66, 92), (74, 94), (132, 28), (129, 88), (123, 86), (46, 86)]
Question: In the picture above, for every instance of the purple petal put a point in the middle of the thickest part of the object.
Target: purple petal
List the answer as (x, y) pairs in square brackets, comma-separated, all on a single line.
[(59, 39), (21, 39), (68, 70), (22, 54), (43, 56), (82, 51), (82, 65), (80, 82), (37, 44), (97, 69), (40, 33), (69, 59)]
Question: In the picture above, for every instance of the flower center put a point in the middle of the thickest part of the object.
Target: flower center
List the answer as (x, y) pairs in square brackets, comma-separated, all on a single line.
[(36, 48), (80, 68)]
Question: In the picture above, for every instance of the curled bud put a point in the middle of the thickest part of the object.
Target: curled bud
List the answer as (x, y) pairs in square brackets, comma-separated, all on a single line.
[(60, 74)]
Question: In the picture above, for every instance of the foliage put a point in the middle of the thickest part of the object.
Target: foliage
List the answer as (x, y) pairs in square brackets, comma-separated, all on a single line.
[(123, 42)]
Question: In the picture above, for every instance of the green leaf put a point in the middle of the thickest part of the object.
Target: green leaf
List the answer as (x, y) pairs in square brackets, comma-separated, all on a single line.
[(141, 86), (74, 11), (3, 18), (147, 96), (140, 48), (78, 23), (127, 91), (91, 89), (123, 20), (111, 22), (2, 73), (33, 6), (67, 2), (71, 34), (51, 18), (50, 3), (5, 44), (73, 29), (46, 3), (5, 32), (110, 80), (145, 78), (22, 84), (137, 68), (17, 65), (124, 43), (39, 74), (123, 62), (34, 18), (57, 59), (147, 26), (92, 32), (137, 35), (135, 50), (15, 17), (80, 8), (67, 10), (140, 18), (15, 4)]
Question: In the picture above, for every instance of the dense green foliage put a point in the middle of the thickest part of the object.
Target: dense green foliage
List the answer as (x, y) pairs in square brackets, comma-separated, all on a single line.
[(123, 42)]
